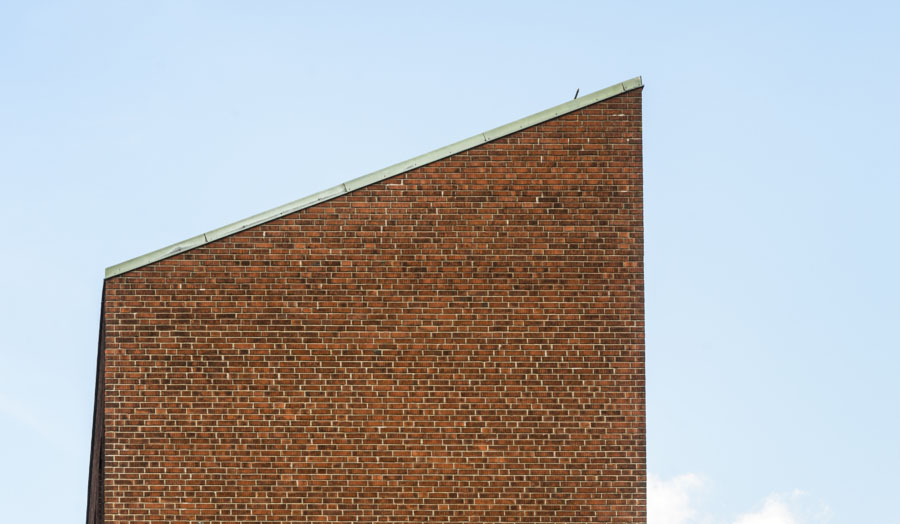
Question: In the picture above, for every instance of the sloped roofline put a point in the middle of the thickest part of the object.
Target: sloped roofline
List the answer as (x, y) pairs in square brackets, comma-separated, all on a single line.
[(377, 176)]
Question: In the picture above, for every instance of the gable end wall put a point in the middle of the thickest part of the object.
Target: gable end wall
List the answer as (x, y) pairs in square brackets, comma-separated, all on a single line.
[(463, 342)]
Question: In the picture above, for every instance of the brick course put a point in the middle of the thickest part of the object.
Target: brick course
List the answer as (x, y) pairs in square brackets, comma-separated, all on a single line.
[(463, 342)]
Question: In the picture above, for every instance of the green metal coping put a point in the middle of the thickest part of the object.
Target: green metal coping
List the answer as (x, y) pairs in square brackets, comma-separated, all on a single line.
[(371, 178)]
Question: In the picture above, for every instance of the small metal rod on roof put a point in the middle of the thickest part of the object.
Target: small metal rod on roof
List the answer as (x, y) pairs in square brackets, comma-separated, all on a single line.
[(576, 93)]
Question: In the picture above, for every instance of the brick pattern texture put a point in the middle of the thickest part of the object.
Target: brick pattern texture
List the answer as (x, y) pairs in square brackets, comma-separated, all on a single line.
[(463, 342)]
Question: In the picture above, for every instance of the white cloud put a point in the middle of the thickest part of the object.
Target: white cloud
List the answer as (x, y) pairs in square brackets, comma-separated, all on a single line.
[(774, 511), (675, 501), (792, 508), (671, 501)]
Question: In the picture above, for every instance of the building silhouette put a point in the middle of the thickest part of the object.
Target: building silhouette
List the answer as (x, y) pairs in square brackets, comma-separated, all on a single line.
[(455, 338)]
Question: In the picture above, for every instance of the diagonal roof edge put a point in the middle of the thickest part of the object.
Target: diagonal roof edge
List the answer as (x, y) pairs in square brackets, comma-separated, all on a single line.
[(377, 176)]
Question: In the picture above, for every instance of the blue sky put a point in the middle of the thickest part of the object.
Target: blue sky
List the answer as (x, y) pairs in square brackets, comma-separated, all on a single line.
[(771, 186)]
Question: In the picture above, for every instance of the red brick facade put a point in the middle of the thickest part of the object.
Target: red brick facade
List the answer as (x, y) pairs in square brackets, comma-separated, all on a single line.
[(463, 342)]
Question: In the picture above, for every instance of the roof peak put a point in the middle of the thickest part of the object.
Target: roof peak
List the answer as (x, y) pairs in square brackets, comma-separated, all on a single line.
[(374, 177)]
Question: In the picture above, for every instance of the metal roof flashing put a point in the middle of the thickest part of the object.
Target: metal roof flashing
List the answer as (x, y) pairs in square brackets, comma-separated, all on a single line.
[(377, 176)]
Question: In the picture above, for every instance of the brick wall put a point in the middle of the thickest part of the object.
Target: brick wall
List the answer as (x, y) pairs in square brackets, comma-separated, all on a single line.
[(459, 343)]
